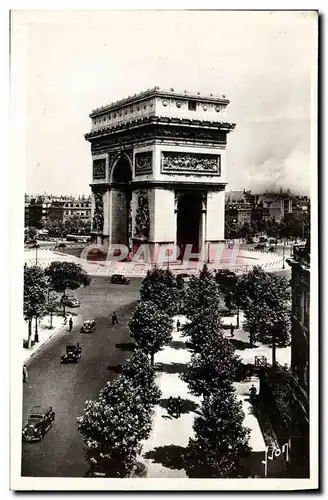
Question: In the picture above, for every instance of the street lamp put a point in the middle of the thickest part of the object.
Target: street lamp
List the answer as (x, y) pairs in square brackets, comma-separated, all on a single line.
[(36, 246), (283, 255)]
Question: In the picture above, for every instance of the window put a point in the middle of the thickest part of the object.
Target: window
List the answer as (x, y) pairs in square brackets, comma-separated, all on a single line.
[(192, 105)]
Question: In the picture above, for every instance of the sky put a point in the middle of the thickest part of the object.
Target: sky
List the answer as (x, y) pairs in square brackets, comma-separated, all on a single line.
[(264, 62)]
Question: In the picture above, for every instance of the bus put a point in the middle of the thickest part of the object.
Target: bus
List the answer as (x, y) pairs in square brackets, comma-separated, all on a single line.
[(78, 238)]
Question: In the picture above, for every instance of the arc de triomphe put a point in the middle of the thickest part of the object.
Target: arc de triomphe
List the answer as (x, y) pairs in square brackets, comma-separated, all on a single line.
[(159, 167)]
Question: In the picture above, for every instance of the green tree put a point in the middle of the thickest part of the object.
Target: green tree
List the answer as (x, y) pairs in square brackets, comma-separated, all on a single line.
[(213, 368), (202, 293), (113, 426), (151, 328), (30, 234), (160, 287), (35, 296), (227, 282), (266, 301), (202, 325), (142, 376), (77, 225), (52, 306), (221, 440), (66, 276)]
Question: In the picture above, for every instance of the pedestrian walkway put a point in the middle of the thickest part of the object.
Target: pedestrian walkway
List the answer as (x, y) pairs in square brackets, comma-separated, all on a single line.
[(163, 451), (45, 333), (247, 352)]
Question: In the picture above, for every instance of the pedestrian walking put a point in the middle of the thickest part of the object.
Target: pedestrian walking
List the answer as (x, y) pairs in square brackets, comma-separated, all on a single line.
[(70, 324), (114, 319), (178, 325), (232, 329), (25, 374), (178, 407), (170, 406)]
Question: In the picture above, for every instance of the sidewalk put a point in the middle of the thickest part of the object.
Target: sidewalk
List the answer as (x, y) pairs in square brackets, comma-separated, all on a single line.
[(163, 451), (245, 351), (45, 334)]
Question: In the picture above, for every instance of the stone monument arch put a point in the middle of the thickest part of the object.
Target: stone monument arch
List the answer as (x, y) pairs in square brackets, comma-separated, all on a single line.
[(159, 170)]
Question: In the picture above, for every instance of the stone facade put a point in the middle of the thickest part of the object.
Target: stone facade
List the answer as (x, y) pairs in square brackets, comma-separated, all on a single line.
[(153, 153)]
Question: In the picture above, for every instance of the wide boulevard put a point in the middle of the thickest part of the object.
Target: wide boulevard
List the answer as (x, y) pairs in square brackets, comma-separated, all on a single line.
[(67, 387)]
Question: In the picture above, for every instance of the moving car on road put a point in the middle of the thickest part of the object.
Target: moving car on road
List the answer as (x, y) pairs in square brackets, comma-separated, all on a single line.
[(120, 279), (73, 354), (88, 326), (70, 301), (39, 422)]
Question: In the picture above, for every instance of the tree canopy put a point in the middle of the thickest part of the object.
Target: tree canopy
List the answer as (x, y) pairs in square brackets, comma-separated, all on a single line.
[(161, 287), (221, 440), (66, 275), (150, 327), (113, 426), (202, 293), (212, 368)]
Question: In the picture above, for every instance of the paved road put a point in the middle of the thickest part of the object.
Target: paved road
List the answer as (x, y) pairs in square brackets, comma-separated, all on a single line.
[(67, 387)]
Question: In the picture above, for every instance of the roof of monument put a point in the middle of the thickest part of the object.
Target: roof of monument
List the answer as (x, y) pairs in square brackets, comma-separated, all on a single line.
[(158, 92)]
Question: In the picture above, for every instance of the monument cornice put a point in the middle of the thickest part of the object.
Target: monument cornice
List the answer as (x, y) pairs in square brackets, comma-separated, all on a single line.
[(160, 121), (179, 184)]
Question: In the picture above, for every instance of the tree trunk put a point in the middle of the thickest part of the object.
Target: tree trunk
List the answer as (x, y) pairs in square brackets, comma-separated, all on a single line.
[(51, 319), (29, 339), (36, 336), (152, 356), (274, 348), (238, 316), (251, 338)]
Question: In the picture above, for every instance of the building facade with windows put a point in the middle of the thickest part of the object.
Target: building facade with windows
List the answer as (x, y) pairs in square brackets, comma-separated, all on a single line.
[(300, 356)]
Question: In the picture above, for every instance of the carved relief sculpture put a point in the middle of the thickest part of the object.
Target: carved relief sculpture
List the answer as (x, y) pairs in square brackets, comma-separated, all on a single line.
[(98, 217), (142, 222), (190, 162), (143, 163), (99, 168)]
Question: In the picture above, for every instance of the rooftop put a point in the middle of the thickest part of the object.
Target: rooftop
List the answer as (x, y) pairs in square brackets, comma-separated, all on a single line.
[(157, 91)]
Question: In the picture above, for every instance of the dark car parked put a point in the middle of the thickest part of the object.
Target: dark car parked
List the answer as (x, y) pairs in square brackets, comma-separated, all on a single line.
[(120, 279), (260, 247), (39, 422)]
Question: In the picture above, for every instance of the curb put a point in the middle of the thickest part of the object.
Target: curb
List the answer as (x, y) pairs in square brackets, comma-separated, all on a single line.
[(33, 353)]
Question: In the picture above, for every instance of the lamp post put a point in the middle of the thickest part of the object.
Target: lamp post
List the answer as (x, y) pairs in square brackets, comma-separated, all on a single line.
[(36, 246), (283, 255)]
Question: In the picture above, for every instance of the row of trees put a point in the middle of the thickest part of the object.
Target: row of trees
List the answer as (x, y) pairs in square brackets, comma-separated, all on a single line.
[(114, 425), (265, 299), (220, 439), (38, 285), (60, 229), (290, 228)]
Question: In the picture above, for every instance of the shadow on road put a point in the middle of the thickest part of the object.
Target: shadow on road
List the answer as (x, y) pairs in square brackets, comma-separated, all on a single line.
[(170, 367), (178, 344), (240, 345), (187, 405), (125, 346), (170, 456), (115, 368)]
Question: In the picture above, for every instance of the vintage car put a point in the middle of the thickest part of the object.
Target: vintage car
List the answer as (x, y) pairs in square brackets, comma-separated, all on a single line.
[(261, 246), (70, 301), (104, 470), (120, 279), (271, 249), (39, 422), (73, 354), (184, 276), (88, 326)]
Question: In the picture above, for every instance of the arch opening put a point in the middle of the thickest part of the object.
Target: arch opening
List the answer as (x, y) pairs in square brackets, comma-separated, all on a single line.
[(189, 222), (121, 196)]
